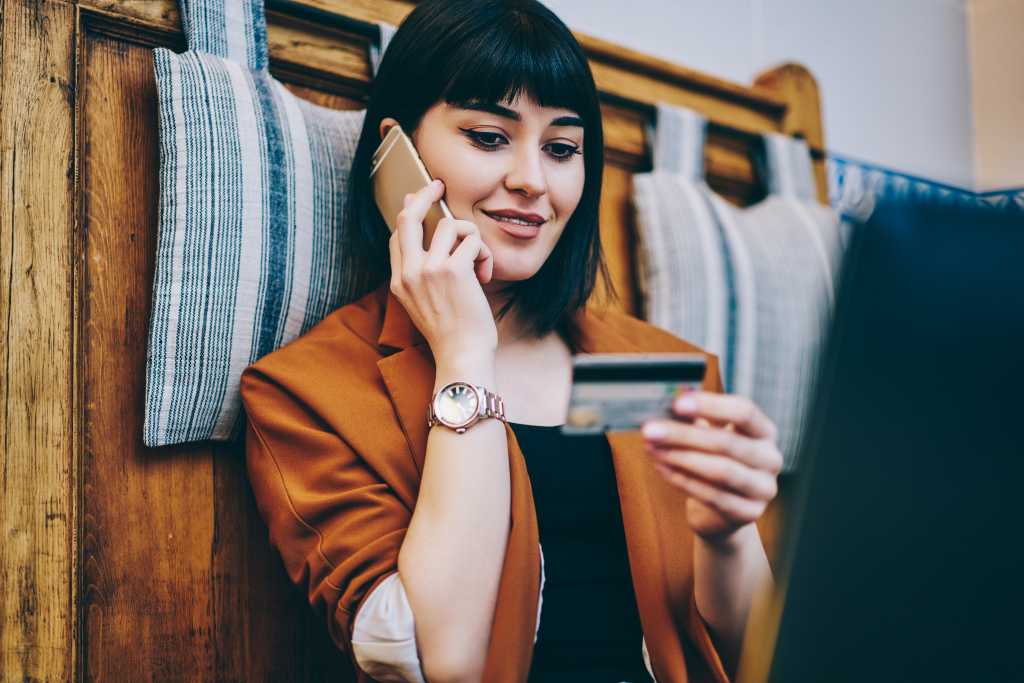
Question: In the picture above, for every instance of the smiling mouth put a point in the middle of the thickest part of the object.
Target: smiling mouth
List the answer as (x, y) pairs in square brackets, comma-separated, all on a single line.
[(514, 221), (513, 227)]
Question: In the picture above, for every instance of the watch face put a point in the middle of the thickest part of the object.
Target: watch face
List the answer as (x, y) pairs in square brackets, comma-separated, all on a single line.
[(456, 404)]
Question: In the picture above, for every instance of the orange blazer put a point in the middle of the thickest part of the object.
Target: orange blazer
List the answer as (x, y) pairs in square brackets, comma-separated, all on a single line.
[(335, 442)]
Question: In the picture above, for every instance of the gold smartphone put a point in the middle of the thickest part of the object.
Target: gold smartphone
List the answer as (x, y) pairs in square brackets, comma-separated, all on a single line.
[(397, 170)]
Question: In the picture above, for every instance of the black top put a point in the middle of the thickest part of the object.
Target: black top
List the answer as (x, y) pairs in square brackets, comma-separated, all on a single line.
[(589, 626)]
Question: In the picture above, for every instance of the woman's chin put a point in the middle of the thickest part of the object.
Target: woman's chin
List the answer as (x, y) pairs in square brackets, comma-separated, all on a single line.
[(512, 272)]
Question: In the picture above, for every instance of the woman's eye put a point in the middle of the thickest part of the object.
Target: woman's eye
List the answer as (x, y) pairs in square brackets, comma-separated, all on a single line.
[(485, 140), (564, 152), (492, 141)]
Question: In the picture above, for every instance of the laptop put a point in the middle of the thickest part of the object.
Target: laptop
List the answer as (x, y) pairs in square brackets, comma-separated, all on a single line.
[(903, 558)]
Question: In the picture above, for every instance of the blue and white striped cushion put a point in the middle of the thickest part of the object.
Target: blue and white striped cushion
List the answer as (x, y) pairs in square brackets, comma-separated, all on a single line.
[(252, 193), (750, 285), (784, 253), (682, 270)]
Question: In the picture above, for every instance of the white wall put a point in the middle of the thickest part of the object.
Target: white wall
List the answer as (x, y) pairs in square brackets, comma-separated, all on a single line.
[(893, 74)]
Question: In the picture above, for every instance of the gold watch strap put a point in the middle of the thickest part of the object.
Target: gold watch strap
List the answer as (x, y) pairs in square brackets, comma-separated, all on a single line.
[(495, 406)]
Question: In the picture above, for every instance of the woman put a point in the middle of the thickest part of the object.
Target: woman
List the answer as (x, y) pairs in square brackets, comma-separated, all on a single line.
[(421, 545)]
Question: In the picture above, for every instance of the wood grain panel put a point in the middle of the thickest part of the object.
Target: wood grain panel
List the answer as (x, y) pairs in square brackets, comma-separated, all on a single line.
[(303, 48), (618, 239), (324, 99), (148, 521), (37, 393), (728, 165), (164, 14), (650, 90), (181, 582), (261, 628)]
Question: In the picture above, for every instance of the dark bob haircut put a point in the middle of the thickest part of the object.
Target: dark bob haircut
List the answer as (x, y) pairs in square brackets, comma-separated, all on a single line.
[(490, 51)]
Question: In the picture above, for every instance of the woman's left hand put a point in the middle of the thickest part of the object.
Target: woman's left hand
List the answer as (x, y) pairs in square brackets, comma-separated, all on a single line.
[(720, 450)]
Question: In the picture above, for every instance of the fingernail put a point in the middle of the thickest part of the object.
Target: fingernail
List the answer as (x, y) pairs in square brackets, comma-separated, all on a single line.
[(654, 430), (686, 404)]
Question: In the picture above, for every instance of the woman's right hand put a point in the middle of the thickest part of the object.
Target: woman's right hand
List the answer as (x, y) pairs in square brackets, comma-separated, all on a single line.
[(440, 288)]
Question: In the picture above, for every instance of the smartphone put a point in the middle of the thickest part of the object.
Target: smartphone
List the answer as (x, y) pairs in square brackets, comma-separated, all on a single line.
[(614, 392), (397, 170)]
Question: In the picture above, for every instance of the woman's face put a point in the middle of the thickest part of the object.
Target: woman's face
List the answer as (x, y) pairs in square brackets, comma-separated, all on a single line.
[(522, 158)]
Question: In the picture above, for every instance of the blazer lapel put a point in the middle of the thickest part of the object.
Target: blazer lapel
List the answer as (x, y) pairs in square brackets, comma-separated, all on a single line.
[(652, 511)]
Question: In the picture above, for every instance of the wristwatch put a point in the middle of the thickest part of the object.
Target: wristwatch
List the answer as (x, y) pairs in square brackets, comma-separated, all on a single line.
[(460, 405)]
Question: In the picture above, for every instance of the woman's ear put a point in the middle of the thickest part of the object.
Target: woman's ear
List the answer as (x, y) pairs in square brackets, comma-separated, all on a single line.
[(385, 125)]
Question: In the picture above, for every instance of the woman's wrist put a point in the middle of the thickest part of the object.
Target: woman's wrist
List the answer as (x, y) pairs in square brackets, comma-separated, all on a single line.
[(733, 543), (473, 368), (728, 573)]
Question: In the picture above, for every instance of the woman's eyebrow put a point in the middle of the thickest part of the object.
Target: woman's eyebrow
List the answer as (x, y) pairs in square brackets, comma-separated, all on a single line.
[(507, 113)]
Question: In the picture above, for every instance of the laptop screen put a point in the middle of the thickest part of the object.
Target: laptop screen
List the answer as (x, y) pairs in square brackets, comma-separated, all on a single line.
[(903, 559)]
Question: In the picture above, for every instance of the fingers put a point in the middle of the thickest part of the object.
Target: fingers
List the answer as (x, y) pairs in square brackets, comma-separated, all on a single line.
[(720, 471), (757, 453), (396, 262), (737, 509), (409, 259), (474, 253), (721, 451), (410, 221), (448, 232), (726, 408)]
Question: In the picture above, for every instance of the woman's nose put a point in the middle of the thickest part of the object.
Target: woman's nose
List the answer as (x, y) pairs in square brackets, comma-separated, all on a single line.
[(526, 174)]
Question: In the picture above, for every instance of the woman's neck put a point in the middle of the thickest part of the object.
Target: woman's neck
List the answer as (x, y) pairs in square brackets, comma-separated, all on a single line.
[(510, 328), (513, 332)]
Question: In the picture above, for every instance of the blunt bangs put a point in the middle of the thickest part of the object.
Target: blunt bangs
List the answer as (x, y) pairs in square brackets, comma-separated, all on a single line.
[(505, 59)]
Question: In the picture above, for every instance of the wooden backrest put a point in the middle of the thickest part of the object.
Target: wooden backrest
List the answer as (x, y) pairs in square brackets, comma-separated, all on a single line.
[(122, 562)]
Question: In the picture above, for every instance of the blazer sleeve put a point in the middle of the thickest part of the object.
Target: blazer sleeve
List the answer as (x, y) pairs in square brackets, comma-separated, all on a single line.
[(384, 636), (337, 525)]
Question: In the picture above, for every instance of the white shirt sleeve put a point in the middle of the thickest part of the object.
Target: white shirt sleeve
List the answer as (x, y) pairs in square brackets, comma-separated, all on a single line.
[(384, 633), (540, 595), (647, 658)]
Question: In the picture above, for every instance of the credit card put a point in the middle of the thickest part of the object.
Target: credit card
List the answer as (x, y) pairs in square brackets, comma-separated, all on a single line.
[(614, 392)]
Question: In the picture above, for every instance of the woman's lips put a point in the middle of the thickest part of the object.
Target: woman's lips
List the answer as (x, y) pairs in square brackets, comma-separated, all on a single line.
[(515, 229)]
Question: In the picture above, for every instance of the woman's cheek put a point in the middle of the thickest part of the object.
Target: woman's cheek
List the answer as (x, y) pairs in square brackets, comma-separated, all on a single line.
[(470, 176)]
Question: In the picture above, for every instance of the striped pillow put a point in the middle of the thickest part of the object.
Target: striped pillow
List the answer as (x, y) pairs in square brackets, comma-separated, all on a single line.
[(784, 253), (252, 193), (682, 265), (750, 285)]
